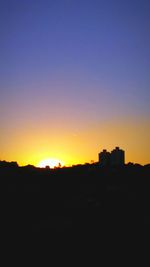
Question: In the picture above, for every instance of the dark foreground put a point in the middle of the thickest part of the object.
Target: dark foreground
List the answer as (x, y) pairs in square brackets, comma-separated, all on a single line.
[(92, 207)]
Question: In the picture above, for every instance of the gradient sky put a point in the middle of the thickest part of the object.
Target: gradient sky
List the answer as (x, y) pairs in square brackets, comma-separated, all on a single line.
[(74, 79)]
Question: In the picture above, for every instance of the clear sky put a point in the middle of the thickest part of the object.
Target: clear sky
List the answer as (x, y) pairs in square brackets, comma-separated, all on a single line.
[(74, 79)]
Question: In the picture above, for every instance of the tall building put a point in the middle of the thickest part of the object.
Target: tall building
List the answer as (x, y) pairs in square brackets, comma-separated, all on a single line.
[(104, 158), (117, 157)]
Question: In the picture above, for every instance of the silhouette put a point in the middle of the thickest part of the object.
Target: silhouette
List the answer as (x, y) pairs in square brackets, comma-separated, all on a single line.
[(104, 158), (90, 200), (115, 158)]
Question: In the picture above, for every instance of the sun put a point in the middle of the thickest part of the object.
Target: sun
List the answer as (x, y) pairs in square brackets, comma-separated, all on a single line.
[(52, 163)]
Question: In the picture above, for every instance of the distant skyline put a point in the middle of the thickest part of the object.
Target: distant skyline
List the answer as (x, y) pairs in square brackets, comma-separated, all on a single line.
[(74, 79)]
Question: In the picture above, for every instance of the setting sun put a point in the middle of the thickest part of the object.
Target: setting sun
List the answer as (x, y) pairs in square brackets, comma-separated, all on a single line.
[(52, 163)]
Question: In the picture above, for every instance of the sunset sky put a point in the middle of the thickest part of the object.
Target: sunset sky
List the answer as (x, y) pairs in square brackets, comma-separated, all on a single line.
[(74, 79)]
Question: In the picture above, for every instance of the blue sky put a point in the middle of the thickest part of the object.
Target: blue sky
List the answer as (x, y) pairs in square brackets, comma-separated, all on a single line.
[(74, 64)]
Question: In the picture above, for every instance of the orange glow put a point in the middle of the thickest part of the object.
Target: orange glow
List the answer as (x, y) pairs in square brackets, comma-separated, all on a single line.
[(77, 144)]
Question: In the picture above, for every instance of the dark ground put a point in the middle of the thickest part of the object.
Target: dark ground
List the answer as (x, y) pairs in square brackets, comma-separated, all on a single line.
[(74, 209)]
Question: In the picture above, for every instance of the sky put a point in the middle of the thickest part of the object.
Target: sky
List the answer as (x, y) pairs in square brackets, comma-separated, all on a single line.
[(74, 79)]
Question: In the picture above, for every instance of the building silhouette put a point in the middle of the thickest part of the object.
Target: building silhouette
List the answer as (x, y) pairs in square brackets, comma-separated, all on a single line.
[(104, 158), (115, 158)]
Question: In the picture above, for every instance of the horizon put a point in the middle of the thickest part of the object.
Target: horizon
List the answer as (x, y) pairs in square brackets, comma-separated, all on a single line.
[(74, 79), (55, 164), (71, 166)]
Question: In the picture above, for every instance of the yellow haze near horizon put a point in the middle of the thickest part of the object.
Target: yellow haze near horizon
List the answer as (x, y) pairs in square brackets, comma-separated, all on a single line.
[(32, 145)]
